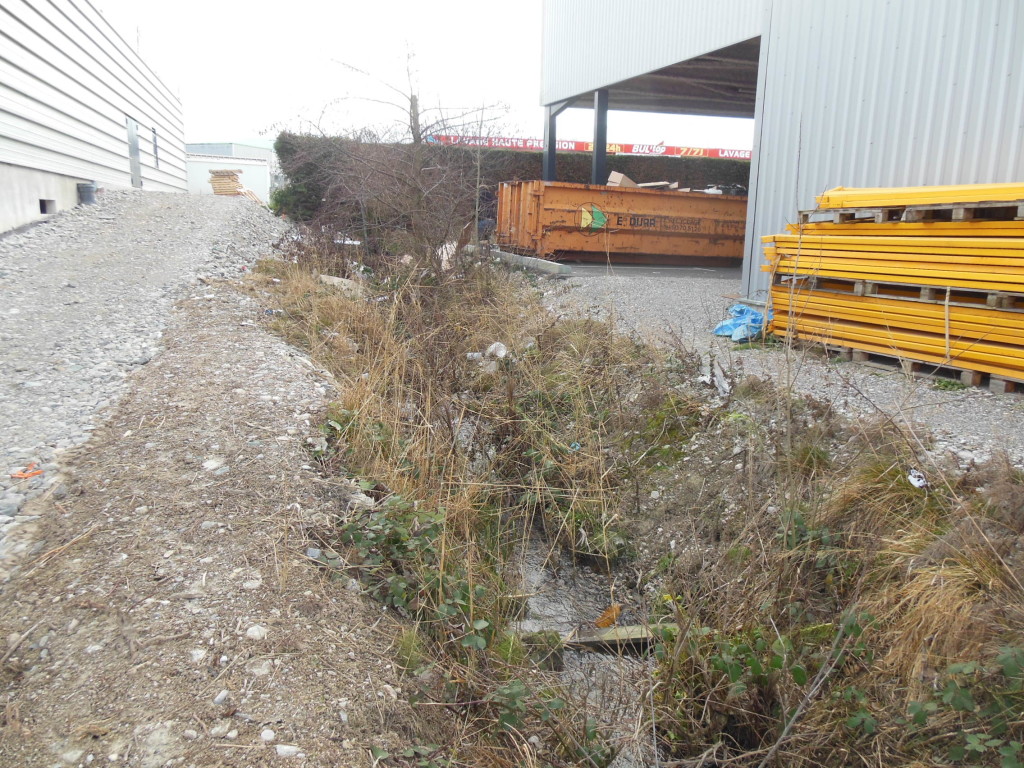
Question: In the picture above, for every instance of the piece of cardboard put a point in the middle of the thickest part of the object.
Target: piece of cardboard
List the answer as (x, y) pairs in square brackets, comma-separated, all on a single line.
[(616, 179)]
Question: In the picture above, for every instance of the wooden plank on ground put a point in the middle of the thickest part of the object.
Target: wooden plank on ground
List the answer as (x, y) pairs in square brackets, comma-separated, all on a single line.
[(634, 637)]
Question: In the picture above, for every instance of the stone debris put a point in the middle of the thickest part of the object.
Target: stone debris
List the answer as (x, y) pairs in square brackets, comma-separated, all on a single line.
[(348, 287)]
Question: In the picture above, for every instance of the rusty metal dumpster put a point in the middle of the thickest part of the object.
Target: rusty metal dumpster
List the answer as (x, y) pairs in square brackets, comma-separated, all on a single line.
[(585, 222)]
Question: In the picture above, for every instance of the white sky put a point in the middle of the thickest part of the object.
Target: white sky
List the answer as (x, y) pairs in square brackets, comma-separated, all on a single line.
[(246, 70)]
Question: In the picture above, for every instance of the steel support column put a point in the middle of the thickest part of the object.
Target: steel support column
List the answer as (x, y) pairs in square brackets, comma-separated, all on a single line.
[(599, 167), (551, 113)]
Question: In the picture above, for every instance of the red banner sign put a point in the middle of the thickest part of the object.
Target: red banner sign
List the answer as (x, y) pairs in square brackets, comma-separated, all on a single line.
[(536, 145)]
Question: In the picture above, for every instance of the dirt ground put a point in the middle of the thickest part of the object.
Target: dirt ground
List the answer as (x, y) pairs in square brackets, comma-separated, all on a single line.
[(162, 611)]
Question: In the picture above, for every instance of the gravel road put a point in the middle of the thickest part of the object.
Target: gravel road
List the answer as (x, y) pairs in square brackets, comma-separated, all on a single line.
[(686, 303), (86, 296)]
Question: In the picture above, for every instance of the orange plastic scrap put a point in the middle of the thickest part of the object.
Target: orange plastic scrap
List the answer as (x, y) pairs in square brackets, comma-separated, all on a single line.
[(609, 617), (27, 472)]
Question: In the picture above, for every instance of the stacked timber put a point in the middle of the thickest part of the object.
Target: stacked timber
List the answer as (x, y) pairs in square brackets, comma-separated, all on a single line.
[(225, 182), (921, 275)]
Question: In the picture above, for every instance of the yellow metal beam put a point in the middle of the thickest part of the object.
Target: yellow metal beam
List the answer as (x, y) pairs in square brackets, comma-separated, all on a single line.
[(933, 318), (968, 277), (982, 260), (880, 197), (973, 228), (1006, 247), (907, 343)]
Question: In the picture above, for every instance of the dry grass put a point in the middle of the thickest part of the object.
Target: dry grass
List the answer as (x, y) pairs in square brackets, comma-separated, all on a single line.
[(823, 594), (470, 454)]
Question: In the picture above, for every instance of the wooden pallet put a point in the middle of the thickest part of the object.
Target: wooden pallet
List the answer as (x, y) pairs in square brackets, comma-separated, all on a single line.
[(225, 182), (920, 370), (931, 372), (998, 210)]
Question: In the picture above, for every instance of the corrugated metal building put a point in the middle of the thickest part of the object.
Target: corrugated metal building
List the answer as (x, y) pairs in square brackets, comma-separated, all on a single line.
[(77, 104), (873, 93)]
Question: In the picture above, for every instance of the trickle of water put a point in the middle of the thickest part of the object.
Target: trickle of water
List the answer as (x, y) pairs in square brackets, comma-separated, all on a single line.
[(564, 596)]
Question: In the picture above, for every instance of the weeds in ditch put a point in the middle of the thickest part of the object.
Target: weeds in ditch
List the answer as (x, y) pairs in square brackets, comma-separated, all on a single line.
[(818, 608), (860, 618), (476, 420)]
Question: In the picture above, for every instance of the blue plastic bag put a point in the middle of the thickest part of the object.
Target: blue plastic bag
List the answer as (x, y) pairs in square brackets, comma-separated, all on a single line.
[(744, 323)]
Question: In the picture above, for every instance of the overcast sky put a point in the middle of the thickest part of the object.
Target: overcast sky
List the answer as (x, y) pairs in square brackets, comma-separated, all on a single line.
[(246, 70)]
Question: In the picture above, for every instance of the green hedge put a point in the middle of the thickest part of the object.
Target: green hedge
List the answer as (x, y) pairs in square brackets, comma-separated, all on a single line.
[(314, 164)]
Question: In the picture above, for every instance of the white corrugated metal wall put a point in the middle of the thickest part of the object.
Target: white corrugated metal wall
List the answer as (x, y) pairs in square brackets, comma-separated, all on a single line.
[(68, 84), (593, 43), (882, 93)]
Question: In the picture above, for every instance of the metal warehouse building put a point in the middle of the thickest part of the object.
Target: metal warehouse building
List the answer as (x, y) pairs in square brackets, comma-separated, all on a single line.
[(872, 93), (77, 104)]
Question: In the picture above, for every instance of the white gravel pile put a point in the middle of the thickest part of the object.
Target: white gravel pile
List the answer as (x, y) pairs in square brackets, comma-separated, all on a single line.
[(86, 296), (686, 303)]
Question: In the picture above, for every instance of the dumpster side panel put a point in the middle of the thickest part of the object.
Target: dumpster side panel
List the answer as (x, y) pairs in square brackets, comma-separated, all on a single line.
[(557, 220)]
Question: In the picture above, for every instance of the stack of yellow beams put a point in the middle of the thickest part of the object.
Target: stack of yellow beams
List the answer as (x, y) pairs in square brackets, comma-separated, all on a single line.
[(888, 197), (948, 293)]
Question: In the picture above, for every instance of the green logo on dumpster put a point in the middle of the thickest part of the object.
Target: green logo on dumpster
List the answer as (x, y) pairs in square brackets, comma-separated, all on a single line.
[(592, 219)]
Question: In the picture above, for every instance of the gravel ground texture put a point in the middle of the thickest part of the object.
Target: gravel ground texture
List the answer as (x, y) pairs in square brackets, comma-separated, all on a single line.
[(158, 601), (86, 297), (683, 304)]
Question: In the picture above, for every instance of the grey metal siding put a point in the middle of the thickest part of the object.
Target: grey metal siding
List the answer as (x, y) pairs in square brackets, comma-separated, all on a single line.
[(68, 83), (882, 93), (589, 44), (229, 149), (225, 149)]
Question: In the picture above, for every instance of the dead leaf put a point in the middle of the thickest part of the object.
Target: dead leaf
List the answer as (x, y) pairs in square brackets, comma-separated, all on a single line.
[(609, 617)]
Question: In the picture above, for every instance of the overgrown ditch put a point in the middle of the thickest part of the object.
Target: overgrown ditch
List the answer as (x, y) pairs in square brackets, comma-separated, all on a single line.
[(512, 475)]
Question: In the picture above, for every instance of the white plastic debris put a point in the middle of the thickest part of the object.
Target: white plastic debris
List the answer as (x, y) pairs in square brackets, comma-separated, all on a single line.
[(917, 478), (497, 349)]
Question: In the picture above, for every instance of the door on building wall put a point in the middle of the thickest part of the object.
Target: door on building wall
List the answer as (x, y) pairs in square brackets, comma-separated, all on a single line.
[(133, 152)]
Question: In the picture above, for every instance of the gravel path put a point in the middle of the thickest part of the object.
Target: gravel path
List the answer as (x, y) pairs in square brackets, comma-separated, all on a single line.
[(85, 299), (686, 304), (158, 607), (164, 612)]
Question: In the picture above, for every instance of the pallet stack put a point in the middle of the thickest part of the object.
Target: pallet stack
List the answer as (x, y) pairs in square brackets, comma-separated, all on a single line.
[(923, 276), (225, 182)]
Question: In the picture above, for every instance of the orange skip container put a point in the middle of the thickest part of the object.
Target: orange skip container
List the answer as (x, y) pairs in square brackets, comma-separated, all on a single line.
[(589, 222)]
